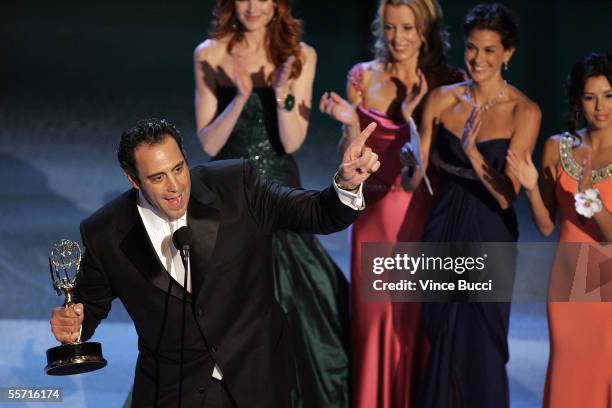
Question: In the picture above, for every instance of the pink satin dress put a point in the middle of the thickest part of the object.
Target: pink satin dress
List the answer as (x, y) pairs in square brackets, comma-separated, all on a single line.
[(389, 345)]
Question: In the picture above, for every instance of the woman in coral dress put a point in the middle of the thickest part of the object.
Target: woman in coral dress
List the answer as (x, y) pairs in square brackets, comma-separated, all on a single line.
[(580, 365), (388, 343)]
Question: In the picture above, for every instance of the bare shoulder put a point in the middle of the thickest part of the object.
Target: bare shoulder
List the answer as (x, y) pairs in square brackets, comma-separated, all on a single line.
[(550, 153), (372, 67), (308, 52), (362, 72), (554, 141), (212, 50), (446, 96), (455, 90), (525, 107)]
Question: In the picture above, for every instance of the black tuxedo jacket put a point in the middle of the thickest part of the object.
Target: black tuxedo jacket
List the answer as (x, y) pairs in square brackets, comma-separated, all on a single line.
[(233, 319)]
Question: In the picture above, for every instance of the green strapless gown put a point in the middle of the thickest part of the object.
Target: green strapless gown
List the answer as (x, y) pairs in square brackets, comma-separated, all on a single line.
[(309, 286)]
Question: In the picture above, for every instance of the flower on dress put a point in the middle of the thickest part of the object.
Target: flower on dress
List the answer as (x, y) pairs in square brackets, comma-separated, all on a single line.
[(588, 203)]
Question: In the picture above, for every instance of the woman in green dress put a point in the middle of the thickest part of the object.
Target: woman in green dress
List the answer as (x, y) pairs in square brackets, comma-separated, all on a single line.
[(253, 96)]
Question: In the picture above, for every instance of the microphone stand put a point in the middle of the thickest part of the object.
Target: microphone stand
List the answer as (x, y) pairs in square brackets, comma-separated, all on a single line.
[(187, 265), (181, 239)]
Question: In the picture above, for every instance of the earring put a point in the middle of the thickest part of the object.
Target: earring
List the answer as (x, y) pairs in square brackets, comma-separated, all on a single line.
[(505, 66)]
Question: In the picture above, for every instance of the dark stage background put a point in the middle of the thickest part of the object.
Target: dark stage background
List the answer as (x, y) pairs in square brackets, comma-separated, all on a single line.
[(75, 74)]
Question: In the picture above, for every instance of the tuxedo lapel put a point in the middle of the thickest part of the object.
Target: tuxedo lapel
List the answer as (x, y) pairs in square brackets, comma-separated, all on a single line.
[(203, 217), (137, 247)]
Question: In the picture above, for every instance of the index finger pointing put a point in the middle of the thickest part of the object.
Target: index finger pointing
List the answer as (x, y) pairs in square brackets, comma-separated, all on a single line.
[(365, 134)]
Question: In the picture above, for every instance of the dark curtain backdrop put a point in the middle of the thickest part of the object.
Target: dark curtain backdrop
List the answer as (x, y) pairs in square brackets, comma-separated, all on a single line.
[(88, 71)]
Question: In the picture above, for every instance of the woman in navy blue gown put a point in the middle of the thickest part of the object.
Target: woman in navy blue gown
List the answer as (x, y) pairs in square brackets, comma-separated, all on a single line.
[(470, 127)]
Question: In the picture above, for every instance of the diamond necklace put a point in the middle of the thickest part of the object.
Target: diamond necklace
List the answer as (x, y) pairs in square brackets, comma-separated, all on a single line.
[(469, 95)]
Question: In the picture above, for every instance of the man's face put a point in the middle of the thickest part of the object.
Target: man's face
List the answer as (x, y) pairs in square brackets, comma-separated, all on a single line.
[(163, 177)]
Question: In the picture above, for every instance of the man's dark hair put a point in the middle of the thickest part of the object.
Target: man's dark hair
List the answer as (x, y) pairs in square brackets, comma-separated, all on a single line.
[(149, 132)]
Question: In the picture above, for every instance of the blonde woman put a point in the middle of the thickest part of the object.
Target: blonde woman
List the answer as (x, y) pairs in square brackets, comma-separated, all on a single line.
[(389, 347)]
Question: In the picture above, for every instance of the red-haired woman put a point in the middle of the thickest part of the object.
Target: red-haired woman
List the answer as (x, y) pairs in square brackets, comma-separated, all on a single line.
[(253, 95)]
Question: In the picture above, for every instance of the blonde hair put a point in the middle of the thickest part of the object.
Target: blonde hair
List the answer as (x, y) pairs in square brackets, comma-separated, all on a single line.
[(428, 17)]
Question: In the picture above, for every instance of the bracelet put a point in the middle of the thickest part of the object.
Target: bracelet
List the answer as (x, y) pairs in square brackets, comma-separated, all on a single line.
[(588, 203), (287, 103)]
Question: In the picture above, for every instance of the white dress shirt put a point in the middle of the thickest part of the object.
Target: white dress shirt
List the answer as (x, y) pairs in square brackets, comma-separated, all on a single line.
[(160, 230)]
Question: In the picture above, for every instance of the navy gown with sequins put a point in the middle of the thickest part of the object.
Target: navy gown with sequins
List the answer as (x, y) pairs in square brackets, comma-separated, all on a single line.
[(309, 286)]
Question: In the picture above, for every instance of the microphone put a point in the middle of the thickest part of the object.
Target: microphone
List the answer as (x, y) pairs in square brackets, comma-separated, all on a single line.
[(182, 239)]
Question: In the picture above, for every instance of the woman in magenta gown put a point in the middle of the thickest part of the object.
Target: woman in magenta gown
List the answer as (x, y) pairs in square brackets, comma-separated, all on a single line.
[(388, 344)]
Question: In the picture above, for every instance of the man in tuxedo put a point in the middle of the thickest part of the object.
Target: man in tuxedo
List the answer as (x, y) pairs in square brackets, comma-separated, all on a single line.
[(230, 348)]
